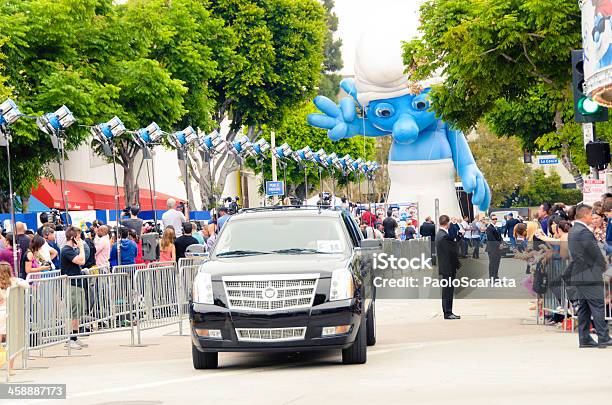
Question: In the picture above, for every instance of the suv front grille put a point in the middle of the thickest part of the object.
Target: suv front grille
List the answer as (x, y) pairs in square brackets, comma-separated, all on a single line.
[(270, 292), (271, 335)]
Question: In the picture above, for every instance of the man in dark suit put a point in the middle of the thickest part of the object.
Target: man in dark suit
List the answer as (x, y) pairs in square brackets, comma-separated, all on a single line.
[(448, 264), (428, 228), (494, 240), (587, 268)]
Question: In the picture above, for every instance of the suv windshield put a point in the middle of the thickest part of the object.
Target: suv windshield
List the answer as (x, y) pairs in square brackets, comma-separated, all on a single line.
[(285, 235)]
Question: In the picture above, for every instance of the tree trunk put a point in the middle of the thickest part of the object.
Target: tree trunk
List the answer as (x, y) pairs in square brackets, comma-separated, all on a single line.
[(566, 155), (129, 184)]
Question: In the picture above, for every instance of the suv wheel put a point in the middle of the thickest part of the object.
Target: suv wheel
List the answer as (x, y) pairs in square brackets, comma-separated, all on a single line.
[(357, 353), (371, 325), (203, 360)]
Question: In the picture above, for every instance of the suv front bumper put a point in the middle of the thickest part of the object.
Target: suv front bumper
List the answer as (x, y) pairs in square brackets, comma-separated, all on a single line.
[(336, 313)]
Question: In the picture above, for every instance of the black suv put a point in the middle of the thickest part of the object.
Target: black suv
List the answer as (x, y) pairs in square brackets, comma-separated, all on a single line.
[(285, 279)]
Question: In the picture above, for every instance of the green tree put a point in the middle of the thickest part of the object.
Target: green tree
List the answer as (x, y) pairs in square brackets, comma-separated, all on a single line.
[(39, 42), (505, 61), (501, 163), (330, 80), (542, 187), (276, 67)]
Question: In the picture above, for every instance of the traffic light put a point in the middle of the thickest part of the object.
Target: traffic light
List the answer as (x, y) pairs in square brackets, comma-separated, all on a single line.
[(585, 109)]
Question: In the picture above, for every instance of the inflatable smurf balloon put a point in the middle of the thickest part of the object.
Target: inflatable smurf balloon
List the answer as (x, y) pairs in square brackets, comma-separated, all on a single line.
[(426, 153)]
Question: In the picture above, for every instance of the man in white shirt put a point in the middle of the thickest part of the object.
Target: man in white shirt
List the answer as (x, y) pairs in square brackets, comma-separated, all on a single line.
[(465, 232), (174, 217)]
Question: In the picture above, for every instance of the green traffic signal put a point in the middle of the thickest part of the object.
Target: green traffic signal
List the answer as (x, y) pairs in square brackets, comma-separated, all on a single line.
[(586, 106)]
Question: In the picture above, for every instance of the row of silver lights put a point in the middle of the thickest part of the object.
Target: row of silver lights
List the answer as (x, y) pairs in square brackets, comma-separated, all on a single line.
[(55, 123)]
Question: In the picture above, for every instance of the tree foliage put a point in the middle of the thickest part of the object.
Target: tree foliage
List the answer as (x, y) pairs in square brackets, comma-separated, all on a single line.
[(506, 62), (500, 161), (330, 80), (542, 187), (178, 63)]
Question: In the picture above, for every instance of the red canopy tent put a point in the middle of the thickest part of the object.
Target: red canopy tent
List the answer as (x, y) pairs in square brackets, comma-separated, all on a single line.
[(88, 196), (49, 192)]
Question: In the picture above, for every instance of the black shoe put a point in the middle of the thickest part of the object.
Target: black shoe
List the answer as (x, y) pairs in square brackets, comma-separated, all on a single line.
[(452, 316), (591, 344), (605, 343)]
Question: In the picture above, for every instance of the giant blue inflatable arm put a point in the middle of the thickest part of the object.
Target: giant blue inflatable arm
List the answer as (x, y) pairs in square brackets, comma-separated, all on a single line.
[(342, 120), (471, 177)]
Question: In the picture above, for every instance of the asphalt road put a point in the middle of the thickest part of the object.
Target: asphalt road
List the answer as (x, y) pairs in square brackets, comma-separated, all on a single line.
[(491, 354)]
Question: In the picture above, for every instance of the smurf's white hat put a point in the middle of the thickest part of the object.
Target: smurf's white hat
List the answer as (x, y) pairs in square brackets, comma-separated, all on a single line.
[(379, 69)]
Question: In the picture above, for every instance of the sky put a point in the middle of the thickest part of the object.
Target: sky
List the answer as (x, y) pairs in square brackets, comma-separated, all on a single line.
[(357, 16)]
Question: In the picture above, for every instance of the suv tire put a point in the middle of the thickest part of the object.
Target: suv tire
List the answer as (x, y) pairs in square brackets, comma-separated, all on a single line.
[(357, 353), (371, 325), (204, 360)]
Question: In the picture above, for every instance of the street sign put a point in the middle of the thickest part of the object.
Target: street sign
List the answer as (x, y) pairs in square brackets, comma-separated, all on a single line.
[(592, 190), (275, 188), (548, 161), (587, 132)]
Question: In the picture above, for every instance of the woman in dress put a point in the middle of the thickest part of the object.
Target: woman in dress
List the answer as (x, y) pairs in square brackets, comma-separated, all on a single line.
[(167, 250)]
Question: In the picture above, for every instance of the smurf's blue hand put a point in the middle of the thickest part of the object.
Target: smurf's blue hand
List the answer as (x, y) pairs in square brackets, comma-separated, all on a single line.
[(471, 177), (341, 121), (348, 85), (474, 182)]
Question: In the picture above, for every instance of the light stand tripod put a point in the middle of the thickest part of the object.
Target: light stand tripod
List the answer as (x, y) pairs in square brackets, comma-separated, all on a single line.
[(57, 139), (6, 137)]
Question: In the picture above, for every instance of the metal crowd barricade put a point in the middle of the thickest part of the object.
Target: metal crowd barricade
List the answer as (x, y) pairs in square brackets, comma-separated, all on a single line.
[(101, 303), (42, 274), (48, 313), (161, 264), (99, 270), (190, 261), (16, 336), (130, 269), (185, 283), (158, 290), (554, 300)]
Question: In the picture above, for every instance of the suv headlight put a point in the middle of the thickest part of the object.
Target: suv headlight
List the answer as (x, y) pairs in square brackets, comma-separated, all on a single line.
[(202, 289), (342, 285)]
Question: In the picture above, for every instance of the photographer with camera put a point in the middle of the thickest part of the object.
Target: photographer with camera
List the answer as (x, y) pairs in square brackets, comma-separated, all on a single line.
[(175, 217), (72, 257), (133, 222)]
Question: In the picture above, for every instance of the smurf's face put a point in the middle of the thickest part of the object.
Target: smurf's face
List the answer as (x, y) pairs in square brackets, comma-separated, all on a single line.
[(406, 115)]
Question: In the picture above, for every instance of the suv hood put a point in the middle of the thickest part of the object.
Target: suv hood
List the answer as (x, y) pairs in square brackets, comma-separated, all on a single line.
[(323, 264)]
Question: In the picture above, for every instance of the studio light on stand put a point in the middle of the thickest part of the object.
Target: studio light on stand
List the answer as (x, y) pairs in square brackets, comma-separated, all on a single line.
[(147, 138), (9, 113), (55, 124), (282, 153), (370, 169), (302, 157), (212, 144), (333, 163), (320, 158), (239, 148), (347, 166), (181, 141), (357, 166), (257, 151), (104, 134)]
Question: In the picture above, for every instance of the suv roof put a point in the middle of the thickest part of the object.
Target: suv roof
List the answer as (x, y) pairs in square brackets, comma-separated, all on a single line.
[(287, 211)]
